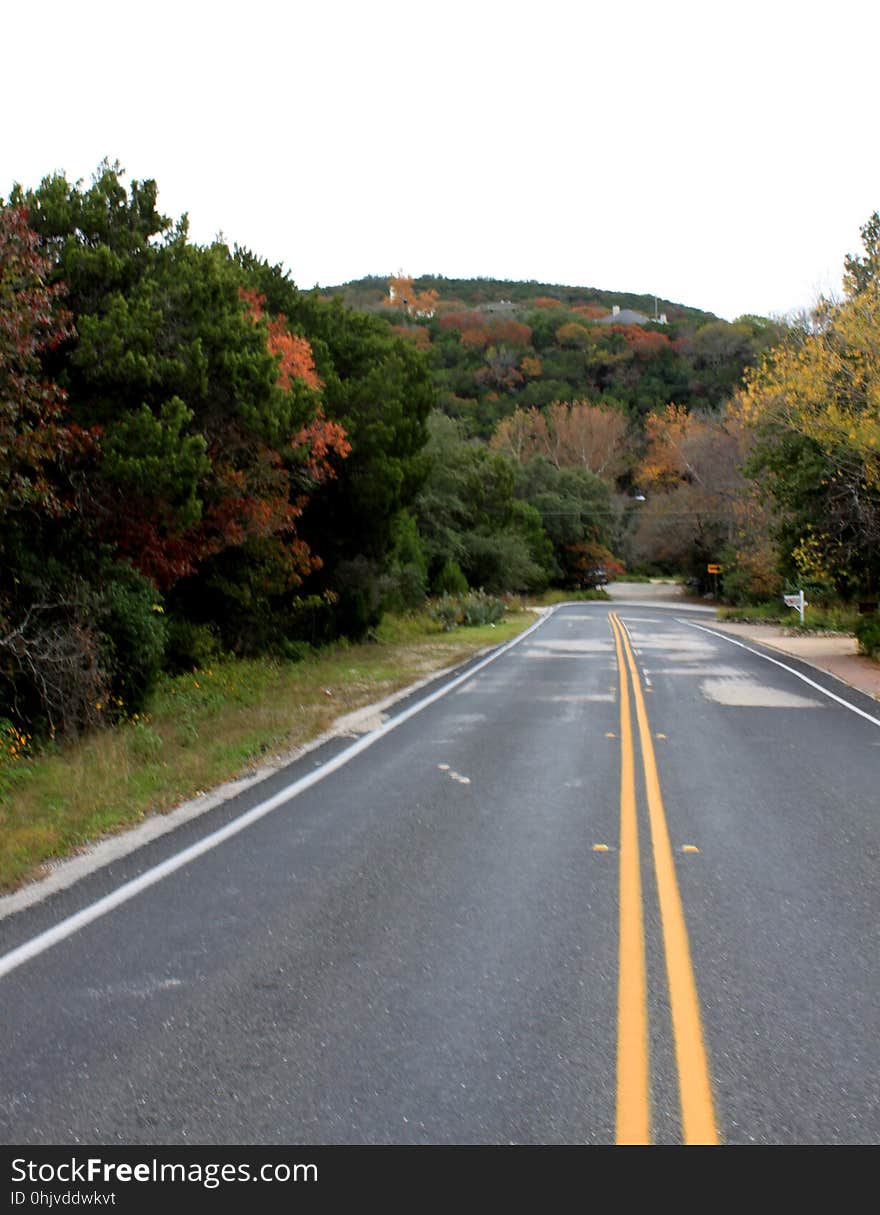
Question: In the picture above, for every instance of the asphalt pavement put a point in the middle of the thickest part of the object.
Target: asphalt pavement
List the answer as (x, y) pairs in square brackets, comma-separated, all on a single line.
[(414, 935)]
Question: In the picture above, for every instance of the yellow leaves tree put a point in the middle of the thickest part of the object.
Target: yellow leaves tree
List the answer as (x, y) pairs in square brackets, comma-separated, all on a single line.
[(813, 406), (827, 388)]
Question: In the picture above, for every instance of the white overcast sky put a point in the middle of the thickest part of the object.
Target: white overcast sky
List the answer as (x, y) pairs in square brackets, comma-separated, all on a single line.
[(722, 156)]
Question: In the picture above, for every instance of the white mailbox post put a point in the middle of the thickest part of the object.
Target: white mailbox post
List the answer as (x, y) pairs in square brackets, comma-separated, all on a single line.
[(796, 601)]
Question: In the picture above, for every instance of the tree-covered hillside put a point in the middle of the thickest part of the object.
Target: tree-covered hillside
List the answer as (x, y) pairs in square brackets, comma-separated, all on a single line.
[(498, 346), (372, 291)]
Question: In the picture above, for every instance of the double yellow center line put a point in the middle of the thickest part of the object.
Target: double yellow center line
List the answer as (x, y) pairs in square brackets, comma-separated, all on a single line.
[(633, 1117)]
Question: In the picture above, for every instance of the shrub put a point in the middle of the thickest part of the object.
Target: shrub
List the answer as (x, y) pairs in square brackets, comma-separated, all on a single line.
[(54, 662), (406, 582), (868, 635), (358, 606), (474, 608), (130, 619), (295, 650), (451, 580), (190, 646)]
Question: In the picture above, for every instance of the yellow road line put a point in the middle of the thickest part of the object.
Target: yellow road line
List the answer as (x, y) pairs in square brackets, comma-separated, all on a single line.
[(633, 1116), (695, 1090)]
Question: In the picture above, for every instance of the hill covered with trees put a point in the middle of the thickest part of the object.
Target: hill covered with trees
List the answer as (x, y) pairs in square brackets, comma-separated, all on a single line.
[(497, 346)]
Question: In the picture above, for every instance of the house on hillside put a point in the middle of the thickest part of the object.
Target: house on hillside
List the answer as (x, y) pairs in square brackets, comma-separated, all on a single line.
[(401, 294), (499, 308), (629, 316)]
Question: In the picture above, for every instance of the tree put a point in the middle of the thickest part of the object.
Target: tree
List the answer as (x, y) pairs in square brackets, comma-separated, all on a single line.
[(212, 432), (577, 514), (572, 333), (697, 507), (522, 435), (34, 431), (815, 411), (468, 513), (581, 434), (863, 273), (402, 294)]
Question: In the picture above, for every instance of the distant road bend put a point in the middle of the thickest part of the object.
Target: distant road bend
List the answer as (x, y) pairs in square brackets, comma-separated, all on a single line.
[(616, 883)]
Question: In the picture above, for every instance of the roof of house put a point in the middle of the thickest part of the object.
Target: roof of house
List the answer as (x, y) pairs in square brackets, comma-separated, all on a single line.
[(626, 316)]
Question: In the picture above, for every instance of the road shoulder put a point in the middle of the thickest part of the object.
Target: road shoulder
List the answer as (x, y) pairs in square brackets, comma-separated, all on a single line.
[(63, 873), (835, 654)]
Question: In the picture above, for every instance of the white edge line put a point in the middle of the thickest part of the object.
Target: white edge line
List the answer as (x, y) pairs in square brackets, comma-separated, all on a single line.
[(832, 695), (128, 890)]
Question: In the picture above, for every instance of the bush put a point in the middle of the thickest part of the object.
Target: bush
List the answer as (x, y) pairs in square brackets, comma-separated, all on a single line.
[(130, 619), (474, 608), (405, 584), (868, 635), (358, 606), (451, 580), (54, 666), (501, 561), (295, 650), (190, 646)]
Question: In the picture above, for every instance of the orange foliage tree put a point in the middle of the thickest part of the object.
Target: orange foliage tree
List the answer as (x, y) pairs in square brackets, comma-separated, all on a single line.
[(643, 343), (417, 334), (255, 492), (699, 506), (573, 334), (402, 294), (592, 312), (293, 352), (568, 434)]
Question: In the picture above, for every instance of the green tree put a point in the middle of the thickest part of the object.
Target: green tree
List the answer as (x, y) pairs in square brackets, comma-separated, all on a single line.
[(468, 513), (574, 507), (210, 435)]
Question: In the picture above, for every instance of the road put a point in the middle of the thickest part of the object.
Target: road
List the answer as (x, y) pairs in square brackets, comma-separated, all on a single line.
[(618, 883)]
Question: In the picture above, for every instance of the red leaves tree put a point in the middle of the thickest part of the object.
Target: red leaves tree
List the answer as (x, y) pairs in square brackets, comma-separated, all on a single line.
[(33, 432), (264, 491), (251, 491), (644, 343)]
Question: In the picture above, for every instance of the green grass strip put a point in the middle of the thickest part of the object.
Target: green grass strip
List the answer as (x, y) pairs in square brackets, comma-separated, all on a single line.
[(204, 728)]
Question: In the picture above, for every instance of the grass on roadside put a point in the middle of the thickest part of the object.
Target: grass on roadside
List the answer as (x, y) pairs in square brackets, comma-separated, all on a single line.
[(554, 596), (207, 727), (655, 578), (834, 619)]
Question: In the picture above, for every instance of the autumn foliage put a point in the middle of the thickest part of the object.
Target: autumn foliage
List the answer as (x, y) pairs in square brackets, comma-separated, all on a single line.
[(402, 294), (293, 352), (570, 435), (182, 493), (812, 411), (34, 428)]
